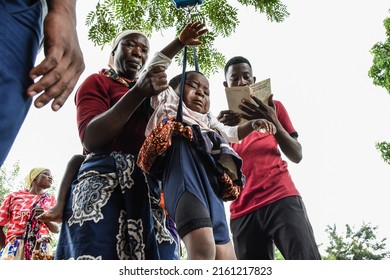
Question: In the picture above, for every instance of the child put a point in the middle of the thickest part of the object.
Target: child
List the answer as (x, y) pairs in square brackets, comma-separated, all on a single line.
[(194, 161)]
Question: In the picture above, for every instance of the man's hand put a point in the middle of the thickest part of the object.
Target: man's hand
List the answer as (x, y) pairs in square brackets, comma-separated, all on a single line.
[(63, 63)]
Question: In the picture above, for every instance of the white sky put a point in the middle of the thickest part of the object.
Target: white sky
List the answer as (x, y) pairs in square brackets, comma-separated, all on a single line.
[(318, 60)]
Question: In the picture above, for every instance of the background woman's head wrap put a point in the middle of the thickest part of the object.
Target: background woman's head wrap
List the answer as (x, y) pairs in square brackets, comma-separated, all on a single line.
[(33, 174), (116, 41)]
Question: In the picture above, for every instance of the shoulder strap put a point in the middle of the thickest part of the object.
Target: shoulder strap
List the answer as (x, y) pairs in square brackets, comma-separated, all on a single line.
[(179, 115)]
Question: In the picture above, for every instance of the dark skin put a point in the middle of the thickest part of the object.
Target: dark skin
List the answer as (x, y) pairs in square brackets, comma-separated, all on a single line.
[(129, 59), (241, 75), (56, 212), (63, 63)]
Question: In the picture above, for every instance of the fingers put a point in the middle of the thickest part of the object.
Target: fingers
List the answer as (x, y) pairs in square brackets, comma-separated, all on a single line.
[(63, 64), (224, 112), (58, 79), (153, 82), (263, 125), (191, 32), (37, 211), (229, 118)]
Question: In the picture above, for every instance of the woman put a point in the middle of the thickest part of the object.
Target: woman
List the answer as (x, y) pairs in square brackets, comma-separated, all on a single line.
[(113, 209), (18, 212)]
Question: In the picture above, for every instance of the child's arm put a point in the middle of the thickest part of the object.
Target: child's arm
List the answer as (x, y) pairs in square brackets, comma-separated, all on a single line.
[(260, 125), (188, 37), (70, 174), (55, 213)]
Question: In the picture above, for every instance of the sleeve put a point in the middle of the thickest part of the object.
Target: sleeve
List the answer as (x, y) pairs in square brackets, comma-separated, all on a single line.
[(4, 210), (158, 59), (92, 99), (284, 118), (159, 99), (230, 133)]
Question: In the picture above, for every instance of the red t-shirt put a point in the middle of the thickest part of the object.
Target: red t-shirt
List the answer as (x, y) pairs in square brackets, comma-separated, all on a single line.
[(95, 96), (15, 210), (267, 176)]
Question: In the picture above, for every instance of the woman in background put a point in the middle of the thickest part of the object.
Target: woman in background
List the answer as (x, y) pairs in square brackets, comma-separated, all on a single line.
[(19, 211)]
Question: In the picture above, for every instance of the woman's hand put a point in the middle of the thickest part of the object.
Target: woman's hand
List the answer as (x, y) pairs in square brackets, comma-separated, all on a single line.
[(151, 82)]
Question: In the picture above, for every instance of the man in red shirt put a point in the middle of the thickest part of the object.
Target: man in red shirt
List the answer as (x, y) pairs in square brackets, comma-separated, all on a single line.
[(270, 210)]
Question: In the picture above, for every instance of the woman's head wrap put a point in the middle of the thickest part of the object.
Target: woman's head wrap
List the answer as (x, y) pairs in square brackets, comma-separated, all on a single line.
[(116, 41), (33, 174)]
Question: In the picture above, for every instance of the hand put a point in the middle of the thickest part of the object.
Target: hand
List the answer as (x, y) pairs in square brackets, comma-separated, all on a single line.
[(262, 111), (262, 125), (63, 63), (191, 32), (37, 210), (152, 82), (43, 239), (228, 117)]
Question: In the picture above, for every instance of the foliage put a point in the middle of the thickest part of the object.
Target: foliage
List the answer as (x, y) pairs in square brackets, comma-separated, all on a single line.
[(358, 244), (380, 70), (8, 179), (384, 148), (113, 16)]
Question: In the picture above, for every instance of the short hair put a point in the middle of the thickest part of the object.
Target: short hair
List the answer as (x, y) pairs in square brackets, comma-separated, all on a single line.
[(236, 60), (175, 81)]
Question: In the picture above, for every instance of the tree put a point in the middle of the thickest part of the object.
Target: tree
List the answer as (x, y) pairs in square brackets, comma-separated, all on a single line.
[(112, 16), (380, 73), (384, 149), (380, 69), (8, 179), (361, 244)]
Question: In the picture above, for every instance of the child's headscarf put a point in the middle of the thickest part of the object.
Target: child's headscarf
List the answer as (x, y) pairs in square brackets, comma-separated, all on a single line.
[(116, 41), (33, 174)]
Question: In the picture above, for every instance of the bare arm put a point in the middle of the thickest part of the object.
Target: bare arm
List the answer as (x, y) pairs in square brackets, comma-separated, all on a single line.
[(112, 121), (70, 174), (288, 144), (258, 125), (52, 226), (63, 63)]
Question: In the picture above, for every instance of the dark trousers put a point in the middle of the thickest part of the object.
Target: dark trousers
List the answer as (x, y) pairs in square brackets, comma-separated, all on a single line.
[(283, 223)]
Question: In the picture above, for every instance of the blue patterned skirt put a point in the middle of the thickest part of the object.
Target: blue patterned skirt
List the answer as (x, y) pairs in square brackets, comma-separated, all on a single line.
[(113, 213)]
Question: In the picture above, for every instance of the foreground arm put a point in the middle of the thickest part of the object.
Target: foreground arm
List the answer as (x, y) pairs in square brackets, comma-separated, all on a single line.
[(63, 63)]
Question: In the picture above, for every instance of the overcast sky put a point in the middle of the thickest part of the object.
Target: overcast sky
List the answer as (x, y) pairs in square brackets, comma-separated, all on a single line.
[(318, 60)]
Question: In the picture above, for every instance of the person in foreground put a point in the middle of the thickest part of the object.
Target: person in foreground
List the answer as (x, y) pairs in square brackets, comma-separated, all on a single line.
[(26, 25), (113, 210), (19, 211), (270, 210), (196, 176)]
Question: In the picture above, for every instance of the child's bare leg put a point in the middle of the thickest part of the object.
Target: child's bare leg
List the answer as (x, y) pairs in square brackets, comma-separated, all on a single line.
[(200, 244), (225, 252)]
